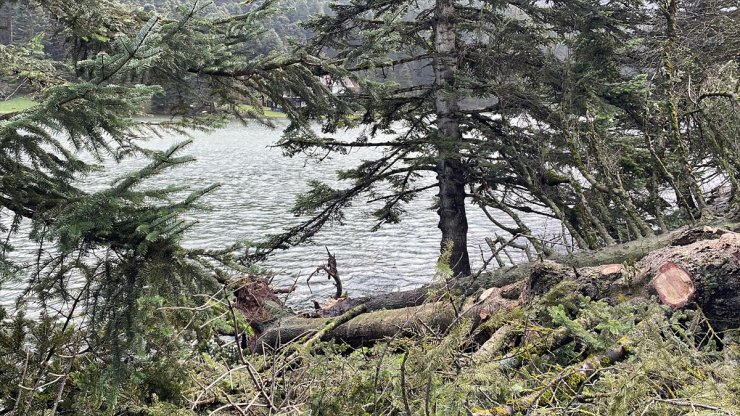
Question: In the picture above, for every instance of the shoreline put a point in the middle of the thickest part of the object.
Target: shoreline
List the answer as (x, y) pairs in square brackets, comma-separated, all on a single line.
[(21, 103)]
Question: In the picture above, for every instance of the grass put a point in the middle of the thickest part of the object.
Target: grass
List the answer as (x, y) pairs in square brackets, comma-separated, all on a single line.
[(266, 110), (16, 104), (23, 103)]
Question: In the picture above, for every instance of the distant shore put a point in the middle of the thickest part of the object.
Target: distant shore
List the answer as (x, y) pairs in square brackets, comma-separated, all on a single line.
[(21, 103), (16, 104)]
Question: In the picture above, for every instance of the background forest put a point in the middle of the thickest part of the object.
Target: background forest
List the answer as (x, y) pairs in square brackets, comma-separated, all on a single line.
[(617, 119)]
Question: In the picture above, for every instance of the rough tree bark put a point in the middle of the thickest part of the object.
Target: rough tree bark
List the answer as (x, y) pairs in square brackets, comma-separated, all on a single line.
[(453, 221), (692, 266)]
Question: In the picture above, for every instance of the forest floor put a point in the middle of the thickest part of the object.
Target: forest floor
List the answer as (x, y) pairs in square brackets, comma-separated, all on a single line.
[(590, 334)]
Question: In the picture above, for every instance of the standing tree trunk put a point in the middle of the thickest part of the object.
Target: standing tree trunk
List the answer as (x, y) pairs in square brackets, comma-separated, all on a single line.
[(450, 172)]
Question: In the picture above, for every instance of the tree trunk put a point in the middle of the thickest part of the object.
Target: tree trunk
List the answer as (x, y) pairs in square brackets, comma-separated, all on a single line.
[(452, 218), (453, 221)]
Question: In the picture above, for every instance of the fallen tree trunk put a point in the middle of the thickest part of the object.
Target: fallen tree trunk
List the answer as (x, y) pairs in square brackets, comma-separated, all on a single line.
[(626, 253), (362, 329), (691, 266)]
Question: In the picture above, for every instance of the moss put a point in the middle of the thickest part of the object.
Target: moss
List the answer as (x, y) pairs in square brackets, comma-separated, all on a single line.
[(663, 359)]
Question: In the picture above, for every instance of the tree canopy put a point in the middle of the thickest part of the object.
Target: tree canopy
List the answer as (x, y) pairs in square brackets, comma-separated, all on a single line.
[(105, 259), (594, 114)]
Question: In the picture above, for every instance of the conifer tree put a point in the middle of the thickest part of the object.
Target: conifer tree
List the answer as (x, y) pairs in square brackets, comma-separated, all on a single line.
[(106, 260), (555, 109), (483, 55)]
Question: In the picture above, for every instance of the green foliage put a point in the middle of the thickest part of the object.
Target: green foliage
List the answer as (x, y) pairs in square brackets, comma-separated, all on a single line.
[(443, 269), (563, 105), (560, 104), (672, 360), (113, 294), (16, 104)]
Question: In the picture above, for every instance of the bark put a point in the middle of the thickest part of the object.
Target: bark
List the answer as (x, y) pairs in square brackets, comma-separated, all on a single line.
[(452, 217), (450, 171), (692, 266), (692, 192), (629, 252), (363, 329)]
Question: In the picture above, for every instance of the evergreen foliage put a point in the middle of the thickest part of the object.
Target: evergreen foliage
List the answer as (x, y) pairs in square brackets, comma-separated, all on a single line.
[(108, 262), (672, 363), (611, 117), (587, 113)]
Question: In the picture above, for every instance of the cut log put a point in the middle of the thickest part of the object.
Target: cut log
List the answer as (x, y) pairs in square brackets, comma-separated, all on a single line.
[(714, 269), (611, 270), (674, 285), (630, 252)]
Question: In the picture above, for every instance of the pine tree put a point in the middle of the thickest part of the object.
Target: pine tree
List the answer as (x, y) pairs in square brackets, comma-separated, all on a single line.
[(105, 258), (483, 56), (544, 108)]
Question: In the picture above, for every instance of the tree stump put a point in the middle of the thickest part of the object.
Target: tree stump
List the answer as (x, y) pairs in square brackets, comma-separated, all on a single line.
[(674, 285)]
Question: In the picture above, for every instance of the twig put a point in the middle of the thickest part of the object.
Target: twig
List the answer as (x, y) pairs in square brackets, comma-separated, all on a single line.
[(428, 396), (331, 270), (331, 325), (235, 406), (252, 372), (377, 368), (198, 402), (260, 387), (689, 403), (404, 394)]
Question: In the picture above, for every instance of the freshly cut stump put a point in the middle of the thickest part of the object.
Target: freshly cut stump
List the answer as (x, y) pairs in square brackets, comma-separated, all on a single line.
[(674, 285), (611, 269)]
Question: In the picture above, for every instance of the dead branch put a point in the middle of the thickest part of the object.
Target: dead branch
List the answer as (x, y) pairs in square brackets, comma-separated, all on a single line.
[(578, 373), (331, 270)]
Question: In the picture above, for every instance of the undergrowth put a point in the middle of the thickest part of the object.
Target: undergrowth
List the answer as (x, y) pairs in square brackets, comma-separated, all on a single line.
[(566, 354), (553, 362)]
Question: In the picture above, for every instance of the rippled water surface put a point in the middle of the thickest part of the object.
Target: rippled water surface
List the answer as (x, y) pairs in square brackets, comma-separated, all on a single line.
[(259, 186)]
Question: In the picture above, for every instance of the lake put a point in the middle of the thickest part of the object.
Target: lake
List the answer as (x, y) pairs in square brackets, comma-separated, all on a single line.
[(259, 186)]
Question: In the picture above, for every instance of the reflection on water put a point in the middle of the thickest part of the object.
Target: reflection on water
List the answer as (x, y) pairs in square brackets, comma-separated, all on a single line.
[(259, 186)]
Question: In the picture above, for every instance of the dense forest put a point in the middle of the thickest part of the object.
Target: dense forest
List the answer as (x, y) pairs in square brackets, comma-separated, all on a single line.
[(618, 120)]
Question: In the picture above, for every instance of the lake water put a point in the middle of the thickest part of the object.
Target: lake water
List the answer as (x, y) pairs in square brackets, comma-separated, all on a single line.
[(259, 186)]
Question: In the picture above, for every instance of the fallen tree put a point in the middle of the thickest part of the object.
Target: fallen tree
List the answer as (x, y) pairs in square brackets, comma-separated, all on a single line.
[(697, 266), (648, 328)]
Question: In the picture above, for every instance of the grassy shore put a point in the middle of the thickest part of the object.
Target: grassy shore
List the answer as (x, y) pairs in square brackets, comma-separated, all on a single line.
[(266, 111), (16, 104), (22, 103)]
